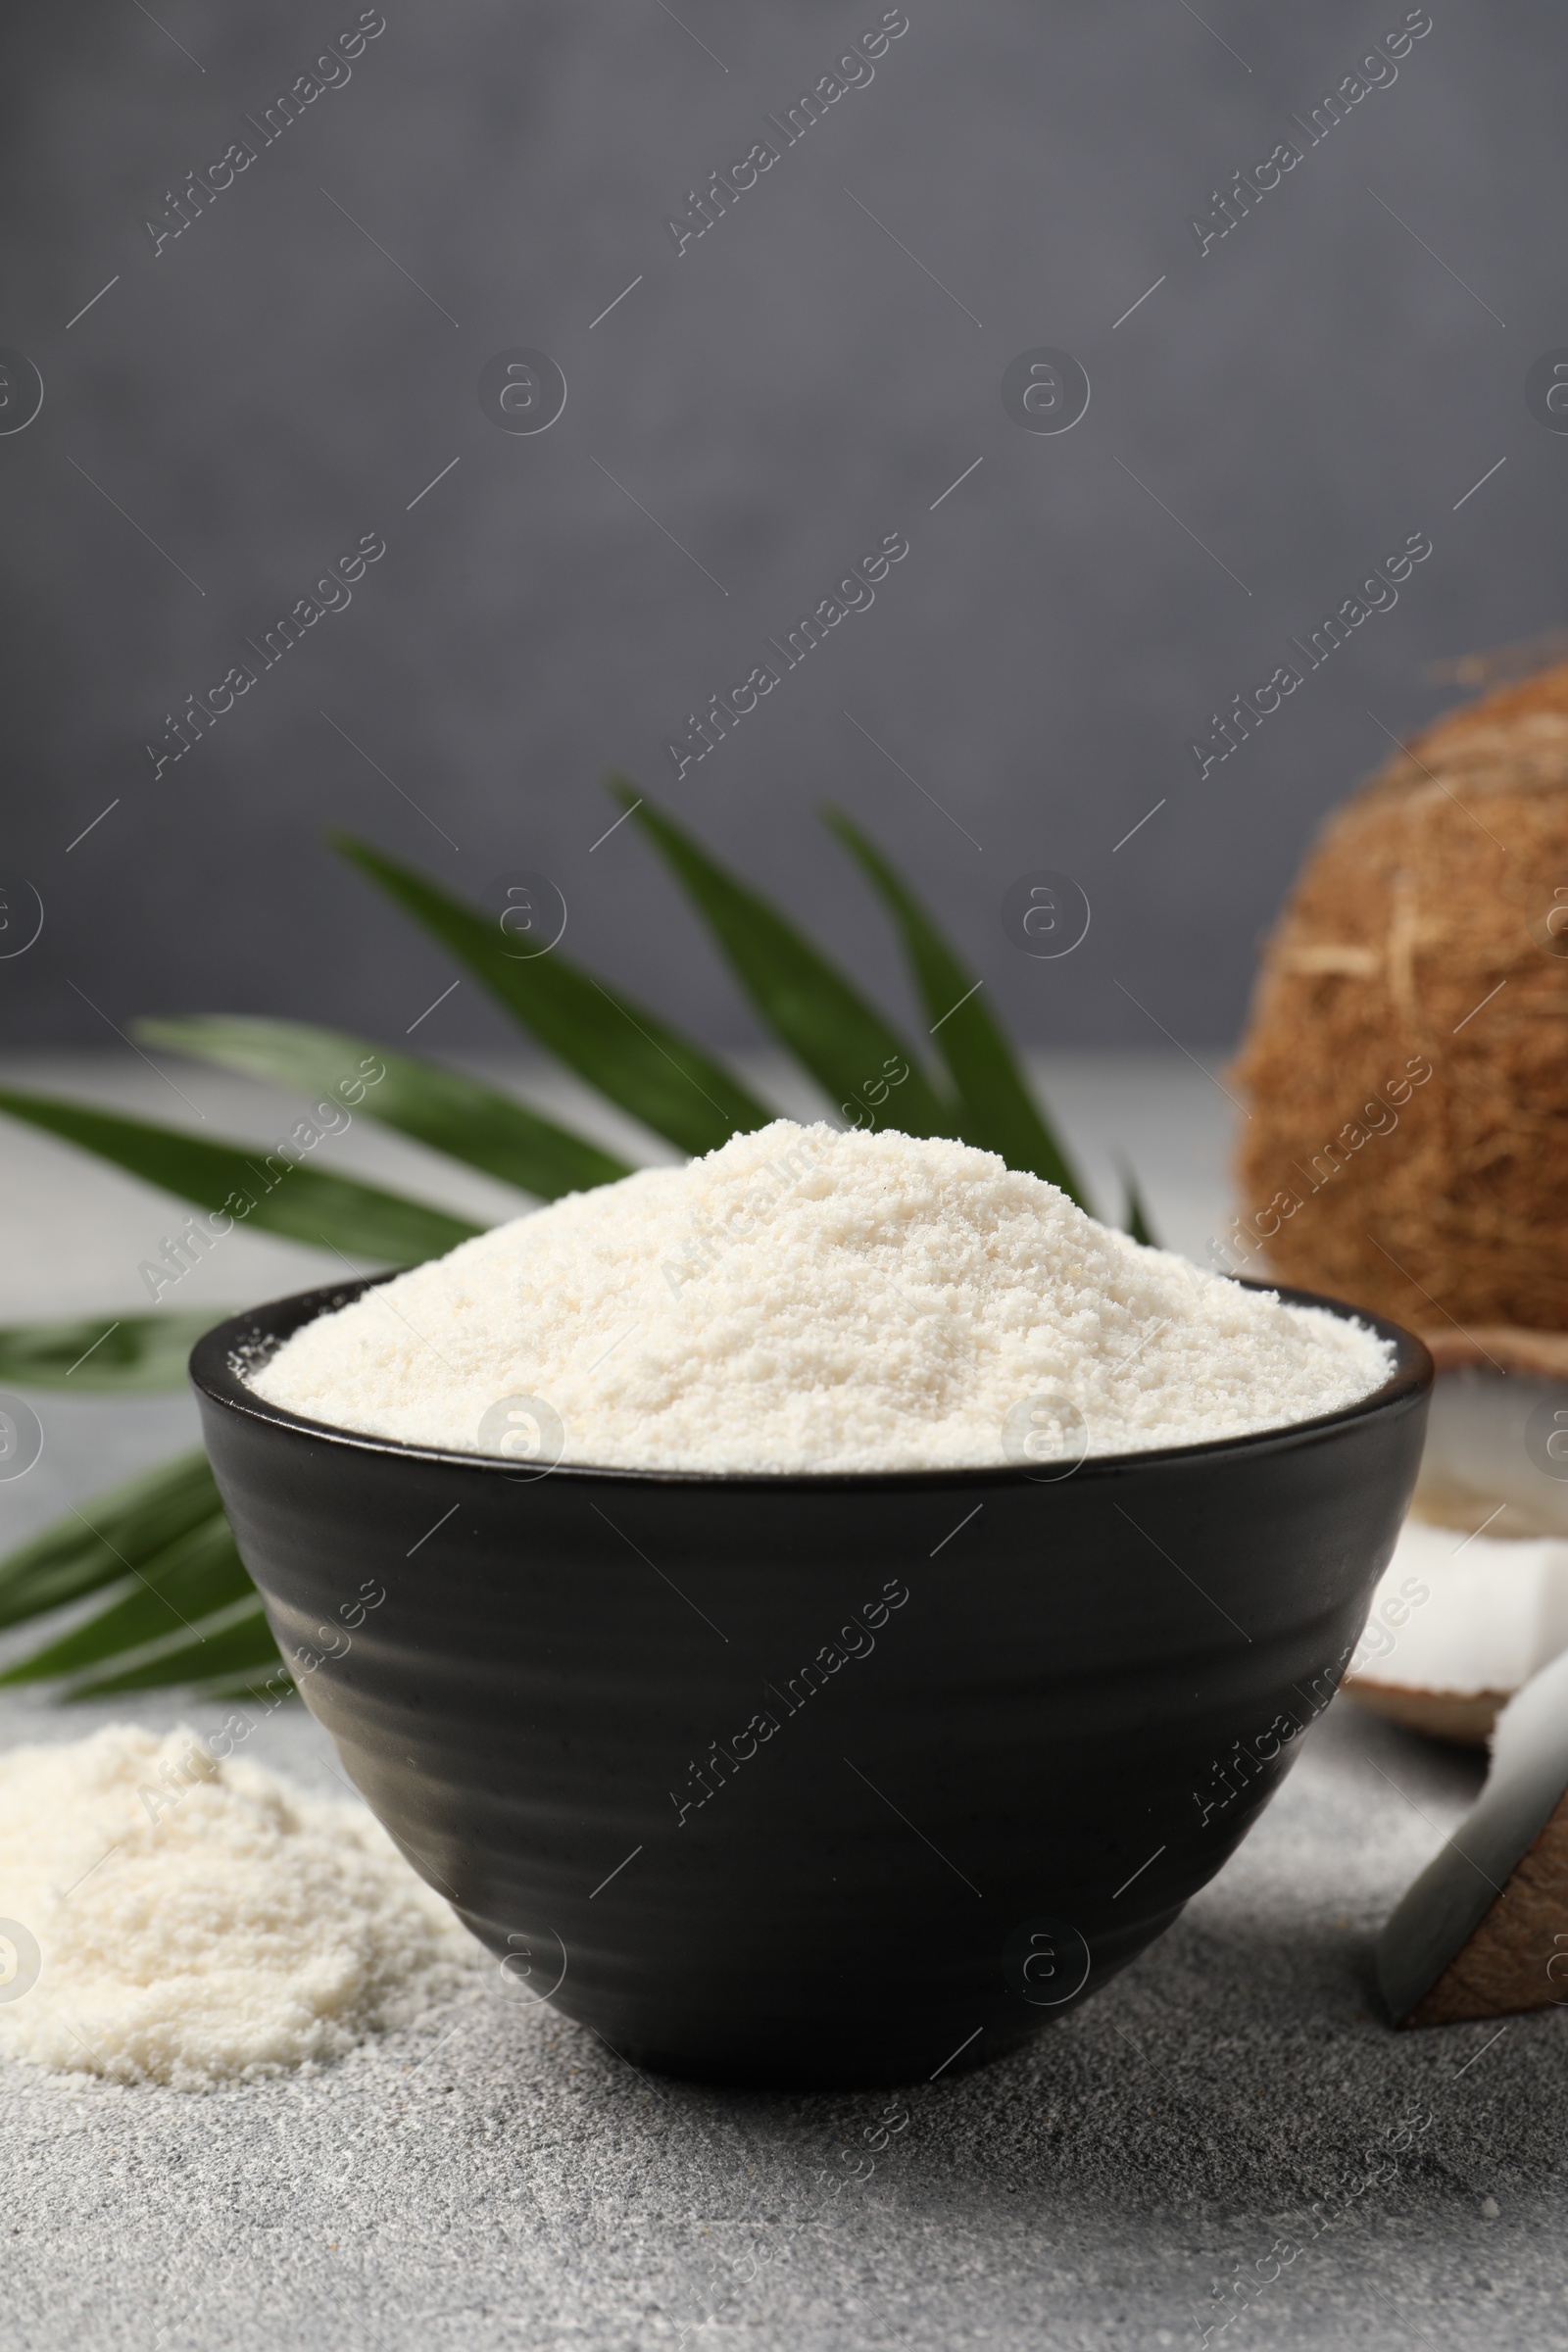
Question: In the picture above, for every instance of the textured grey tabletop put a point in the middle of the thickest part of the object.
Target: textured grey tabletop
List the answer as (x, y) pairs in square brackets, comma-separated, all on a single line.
[(1231, 2109)]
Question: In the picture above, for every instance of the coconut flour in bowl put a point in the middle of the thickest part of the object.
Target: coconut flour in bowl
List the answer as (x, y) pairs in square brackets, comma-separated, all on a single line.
[(806, 1300)]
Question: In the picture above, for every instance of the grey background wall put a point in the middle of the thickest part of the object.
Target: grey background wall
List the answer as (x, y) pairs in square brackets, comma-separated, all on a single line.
[(291, 372)]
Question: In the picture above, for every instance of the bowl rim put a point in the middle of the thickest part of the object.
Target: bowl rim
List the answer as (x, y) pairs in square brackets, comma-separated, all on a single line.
[(215, 1375)]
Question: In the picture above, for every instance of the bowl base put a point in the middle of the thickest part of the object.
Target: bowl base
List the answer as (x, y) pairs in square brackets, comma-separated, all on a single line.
[(890, 2066)]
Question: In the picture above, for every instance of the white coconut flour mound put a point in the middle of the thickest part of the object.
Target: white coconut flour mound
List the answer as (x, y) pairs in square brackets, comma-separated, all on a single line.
[(185, 1921), (808, 1299)]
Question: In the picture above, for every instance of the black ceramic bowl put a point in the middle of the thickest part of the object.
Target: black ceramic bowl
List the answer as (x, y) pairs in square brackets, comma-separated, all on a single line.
[(812, 1779)]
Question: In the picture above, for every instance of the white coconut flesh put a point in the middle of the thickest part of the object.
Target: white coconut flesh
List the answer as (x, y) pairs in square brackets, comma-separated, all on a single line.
[(1465, 1614), (1475, 1600)]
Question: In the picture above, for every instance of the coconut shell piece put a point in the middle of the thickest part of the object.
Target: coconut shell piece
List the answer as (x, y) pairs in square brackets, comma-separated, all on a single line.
[(1484, 1930), (1405, 1063), (1464, 1717)]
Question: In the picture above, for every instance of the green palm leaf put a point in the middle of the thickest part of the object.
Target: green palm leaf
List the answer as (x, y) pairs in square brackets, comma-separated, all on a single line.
[(284, 1195), (109, 1538), (232, 1656), (1136, 1222), (262, 1681), (996, 1109), (625, 1051), (458, 1115), (137, 1353), (200, 1573), (182, 1608), (844, 1042)]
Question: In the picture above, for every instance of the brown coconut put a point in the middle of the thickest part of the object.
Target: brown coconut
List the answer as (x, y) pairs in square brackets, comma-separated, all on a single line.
[(1428, 931)]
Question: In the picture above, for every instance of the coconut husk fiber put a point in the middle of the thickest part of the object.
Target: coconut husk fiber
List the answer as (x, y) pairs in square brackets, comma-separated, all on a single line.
[(1421, 936)]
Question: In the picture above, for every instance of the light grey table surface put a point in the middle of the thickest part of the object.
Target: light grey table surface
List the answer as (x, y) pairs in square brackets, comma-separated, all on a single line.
[(496, 2176)]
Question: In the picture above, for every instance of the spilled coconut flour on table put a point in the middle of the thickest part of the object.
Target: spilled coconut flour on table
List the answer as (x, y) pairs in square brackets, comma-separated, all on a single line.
[(806, 1300), (188, 1921)]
